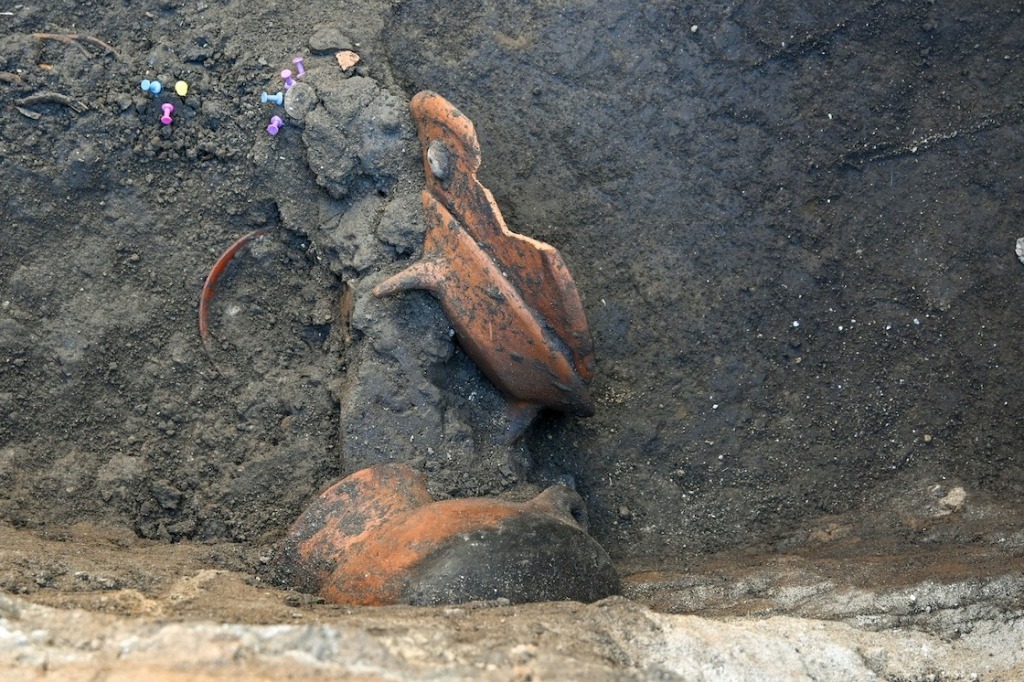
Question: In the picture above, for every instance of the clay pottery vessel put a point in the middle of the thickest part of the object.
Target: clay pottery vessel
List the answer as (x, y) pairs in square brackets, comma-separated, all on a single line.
[(510, 298), (377, 537)]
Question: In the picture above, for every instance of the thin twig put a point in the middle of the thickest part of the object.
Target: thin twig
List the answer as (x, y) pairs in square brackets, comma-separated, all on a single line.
[(53, 98), (77, 39), (884, 151)]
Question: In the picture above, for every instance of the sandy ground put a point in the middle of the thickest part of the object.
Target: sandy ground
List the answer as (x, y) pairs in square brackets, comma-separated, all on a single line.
[(793, 228)]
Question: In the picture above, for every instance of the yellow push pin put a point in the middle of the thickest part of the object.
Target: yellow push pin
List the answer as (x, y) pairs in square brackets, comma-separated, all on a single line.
[(181, 87)]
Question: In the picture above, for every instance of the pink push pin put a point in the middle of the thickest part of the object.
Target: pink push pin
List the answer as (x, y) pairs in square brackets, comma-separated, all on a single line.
[(166, 118), (275, 125), (288, 80), (298, 65)]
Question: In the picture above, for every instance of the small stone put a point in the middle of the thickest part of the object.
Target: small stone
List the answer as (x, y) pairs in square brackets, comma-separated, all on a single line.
[(954, 499), (167, 496), (185, 528), (521, 654), (327, 40), (347, 59)]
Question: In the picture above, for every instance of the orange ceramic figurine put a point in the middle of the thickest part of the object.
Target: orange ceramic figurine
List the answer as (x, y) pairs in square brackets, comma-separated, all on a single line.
[(510, 298), (378, 538)]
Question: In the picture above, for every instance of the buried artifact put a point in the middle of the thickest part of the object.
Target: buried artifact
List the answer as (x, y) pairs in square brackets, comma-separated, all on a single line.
[(510, 298), (377, 537)]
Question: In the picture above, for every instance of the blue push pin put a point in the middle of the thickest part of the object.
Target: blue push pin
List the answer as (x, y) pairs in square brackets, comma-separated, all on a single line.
[(152, 86), (277, 99)]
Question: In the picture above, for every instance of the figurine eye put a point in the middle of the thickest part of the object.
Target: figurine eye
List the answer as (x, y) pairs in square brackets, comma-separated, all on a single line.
[(440, 160)]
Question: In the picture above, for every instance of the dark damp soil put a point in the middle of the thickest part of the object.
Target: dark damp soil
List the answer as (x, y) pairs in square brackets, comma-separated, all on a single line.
[(793, 226)]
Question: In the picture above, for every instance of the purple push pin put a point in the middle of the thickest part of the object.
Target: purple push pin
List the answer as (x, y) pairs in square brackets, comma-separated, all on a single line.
[(298, 65), (288, 80), (166, 118), (275, 125)]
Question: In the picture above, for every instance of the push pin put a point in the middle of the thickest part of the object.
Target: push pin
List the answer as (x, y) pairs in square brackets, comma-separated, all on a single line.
[(151, 86), (275, 125), (181, 87), (298, 65), (288, 80), (166, 118), (277, 99)]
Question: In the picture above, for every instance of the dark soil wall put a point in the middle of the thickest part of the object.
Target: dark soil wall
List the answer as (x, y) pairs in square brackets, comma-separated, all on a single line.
[(793, 227)]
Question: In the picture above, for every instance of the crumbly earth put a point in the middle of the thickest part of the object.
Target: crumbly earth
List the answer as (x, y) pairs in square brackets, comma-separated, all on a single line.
[(793, 227)]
